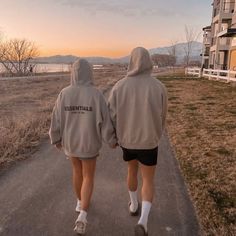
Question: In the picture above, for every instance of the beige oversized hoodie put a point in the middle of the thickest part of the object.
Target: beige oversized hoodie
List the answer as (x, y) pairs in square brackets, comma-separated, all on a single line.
[(138, 104), (80, 118)]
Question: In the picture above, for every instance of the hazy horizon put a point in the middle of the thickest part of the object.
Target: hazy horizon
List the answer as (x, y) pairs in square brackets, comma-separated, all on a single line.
[(111, 57)]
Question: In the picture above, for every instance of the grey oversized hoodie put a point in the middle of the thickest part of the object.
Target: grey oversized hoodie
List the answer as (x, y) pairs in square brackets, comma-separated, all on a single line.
[(80, 118), (138, 104)]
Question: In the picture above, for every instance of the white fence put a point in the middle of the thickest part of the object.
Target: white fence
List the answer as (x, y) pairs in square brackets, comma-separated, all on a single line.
[(226, 75), (193, 71)]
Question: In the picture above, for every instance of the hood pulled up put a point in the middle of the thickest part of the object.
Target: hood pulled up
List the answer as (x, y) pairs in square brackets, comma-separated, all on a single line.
[(140, 62), (81, 73)]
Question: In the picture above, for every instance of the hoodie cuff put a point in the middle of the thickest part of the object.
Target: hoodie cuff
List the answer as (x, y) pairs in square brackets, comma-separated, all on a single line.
[(55, 142), (113, 142)]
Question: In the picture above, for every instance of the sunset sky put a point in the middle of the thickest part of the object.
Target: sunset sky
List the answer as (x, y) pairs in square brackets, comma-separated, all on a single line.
[(101, 28)]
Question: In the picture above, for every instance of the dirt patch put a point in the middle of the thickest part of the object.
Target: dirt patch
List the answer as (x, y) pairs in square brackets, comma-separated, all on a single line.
[(202, 127)]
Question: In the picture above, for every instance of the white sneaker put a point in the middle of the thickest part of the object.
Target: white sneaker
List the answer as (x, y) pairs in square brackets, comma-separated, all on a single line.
[(77, 208), (80, 227)]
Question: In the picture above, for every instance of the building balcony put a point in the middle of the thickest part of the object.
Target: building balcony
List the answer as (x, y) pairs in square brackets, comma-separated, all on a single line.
[(230, 32), (224, 15), (224, 41), (221, 47), (207, 41), (205, 56), (207, 35), (224, 47)]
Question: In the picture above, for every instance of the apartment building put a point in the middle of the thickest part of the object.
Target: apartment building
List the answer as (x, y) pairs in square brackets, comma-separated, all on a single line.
[(221, 34), (206, 46), (231, 32)]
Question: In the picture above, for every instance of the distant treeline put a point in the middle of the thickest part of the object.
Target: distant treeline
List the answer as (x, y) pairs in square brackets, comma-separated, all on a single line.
[(163, 60)]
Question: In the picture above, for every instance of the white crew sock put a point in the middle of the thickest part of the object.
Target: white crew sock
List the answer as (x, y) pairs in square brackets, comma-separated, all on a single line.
[(78, 205), (146, 206), (134, 201), (82, 216)]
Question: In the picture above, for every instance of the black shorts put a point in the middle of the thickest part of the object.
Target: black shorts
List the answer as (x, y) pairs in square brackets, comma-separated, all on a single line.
[(147, 157)]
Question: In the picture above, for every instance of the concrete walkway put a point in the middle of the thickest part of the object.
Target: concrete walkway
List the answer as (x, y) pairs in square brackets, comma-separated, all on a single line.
[(36, 197)]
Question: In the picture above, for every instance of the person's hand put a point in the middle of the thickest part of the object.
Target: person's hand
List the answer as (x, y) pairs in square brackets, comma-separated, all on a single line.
[(113, 146), (58, 146)]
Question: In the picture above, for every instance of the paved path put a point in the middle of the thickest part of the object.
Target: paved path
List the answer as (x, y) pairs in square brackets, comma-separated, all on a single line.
[(36, 197)]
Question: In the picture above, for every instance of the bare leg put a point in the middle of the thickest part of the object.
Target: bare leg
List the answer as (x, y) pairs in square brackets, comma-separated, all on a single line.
[(148, 173), (132, 178), (132, 182), (88, 169), (77, 176)]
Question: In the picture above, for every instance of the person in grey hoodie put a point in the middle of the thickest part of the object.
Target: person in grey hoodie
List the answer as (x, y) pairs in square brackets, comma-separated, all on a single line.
[(138, 107), (80, 120)]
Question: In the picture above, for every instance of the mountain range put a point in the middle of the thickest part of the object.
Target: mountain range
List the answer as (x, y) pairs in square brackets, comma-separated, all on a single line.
[(180, 53)]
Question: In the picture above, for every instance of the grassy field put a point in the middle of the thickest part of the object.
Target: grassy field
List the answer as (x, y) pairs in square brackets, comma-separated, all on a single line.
[(25, 115), (25, 109), (202, 128)]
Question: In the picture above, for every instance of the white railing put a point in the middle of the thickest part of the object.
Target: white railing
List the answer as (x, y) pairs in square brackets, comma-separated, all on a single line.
[(227, 75), (193, 71)]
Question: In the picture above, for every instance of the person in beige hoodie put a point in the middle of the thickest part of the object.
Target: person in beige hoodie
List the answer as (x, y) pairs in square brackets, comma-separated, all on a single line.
[(80, 121), (138, 107)]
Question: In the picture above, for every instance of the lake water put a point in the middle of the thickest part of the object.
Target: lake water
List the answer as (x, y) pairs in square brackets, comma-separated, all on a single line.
[(49, 68)]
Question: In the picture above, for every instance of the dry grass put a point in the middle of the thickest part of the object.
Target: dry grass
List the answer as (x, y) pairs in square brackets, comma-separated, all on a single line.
[(21, 135), (201, 123), (202, 127), (25, 109), (25, 115)]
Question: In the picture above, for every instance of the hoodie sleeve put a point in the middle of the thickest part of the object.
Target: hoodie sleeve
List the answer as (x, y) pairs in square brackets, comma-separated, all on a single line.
[(107, 129), (112, 106), (164, 105), (54, 131)]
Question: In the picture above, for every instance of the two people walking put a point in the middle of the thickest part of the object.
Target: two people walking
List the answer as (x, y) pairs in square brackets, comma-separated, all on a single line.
[(133, 119)]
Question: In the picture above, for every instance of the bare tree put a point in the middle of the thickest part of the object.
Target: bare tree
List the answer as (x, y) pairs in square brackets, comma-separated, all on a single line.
[(191, 35), (1, 42), (173, 48), (1, 37), (17, 54), (173, 52)]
